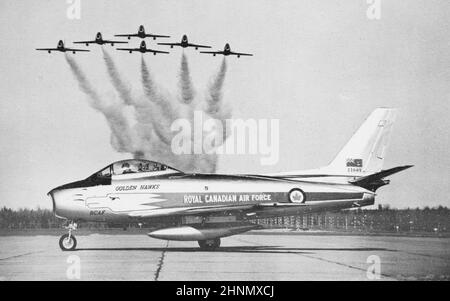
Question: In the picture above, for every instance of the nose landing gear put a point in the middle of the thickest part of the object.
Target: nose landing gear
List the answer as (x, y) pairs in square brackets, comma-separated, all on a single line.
[(68, 242)]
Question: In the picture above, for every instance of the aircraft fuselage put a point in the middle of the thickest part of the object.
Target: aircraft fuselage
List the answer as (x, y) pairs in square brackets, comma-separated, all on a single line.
[(142, 198)]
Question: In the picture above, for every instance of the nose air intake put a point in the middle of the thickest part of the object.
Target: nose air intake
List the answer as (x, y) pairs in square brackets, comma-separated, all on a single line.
[(50, 194)]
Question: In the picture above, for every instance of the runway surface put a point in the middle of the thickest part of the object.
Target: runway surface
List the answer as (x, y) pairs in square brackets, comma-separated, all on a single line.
[(241, 257)]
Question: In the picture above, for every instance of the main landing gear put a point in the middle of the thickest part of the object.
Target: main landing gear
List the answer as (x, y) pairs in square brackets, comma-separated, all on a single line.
[(68, 242), (209, 244)]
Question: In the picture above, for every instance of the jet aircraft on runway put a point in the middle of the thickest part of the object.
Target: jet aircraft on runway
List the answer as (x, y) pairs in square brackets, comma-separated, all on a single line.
[(143, 49), (99, 40), (184, 43), (141, 34), (226, 51), (60, 47), (207, 207)]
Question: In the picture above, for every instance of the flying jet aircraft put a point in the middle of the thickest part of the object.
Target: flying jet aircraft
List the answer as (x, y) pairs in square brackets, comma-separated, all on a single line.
[(99, 40), (207, 207), (143, 48), (184, 43), (141, 34), (60, 47), (226, 51)]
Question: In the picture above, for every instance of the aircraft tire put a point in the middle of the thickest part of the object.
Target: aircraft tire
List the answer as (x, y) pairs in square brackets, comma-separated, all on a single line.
[(210, 244), (65, 245)]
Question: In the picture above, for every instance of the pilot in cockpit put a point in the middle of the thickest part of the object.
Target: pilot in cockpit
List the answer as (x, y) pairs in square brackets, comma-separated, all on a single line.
[(143, 167), (126, 168)]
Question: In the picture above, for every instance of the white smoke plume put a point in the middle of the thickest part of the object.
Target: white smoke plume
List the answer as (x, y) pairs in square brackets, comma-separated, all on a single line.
[(94, 99), (214, 95), (161, 111), (121, 135), (154, 113), (122, 88), (185, 82), (214, 105)]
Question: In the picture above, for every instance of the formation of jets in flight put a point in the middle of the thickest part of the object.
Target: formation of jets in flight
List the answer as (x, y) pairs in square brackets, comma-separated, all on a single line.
[(184, 43)]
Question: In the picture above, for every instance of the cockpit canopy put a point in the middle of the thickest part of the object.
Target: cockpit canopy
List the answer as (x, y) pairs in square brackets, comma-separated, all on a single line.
[(134, 166)]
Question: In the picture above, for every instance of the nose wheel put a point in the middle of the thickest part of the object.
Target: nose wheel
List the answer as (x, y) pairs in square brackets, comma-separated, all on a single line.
[(209, 244), (68, 242)]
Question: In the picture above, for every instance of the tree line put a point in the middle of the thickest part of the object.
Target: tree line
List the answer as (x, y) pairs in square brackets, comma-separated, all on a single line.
[(383, 219)]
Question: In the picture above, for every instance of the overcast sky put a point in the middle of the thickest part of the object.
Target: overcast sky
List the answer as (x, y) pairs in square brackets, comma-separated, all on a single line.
[(320, 67)]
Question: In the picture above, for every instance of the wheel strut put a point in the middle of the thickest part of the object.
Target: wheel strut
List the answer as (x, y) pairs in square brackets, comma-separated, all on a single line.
[(68, 242)]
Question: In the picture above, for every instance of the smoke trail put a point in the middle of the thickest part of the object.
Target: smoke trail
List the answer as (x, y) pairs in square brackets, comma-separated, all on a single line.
[(214, 104), (121, 134), (185, 83), (155, 112), (161, 110), (147, 81), (165, 109), (214, 96), (120, 86), (155, 94), (188, 105), (121, 137), (94, 99)]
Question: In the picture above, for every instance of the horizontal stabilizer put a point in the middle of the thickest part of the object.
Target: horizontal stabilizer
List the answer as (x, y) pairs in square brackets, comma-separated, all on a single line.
[(374, 181)]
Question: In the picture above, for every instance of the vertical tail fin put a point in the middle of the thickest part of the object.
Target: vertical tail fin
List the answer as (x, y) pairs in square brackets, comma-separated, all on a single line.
[(364, 152)]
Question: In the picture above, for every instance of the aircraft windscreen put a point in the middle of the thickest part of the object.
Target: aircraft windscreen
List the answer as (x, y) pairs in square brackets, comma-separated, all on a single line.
[(136, 166), (104, 173)]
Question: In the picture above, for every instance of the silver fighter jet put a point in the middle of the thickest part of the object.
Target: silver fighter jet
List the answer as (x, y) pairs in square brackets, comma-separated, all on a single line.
[(207, 207)]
